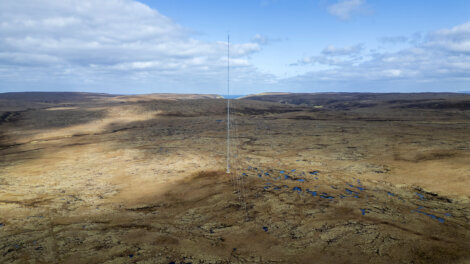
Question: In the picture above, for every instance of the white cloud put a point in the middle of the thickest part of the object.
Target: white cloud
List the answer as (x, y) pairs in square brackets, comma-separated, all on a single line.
[(90, 44), (107, 40), (334, 56), (344, 51), (345, 8), (258, 38), (394, 39), (455, 39), (442, 56), (264, 40)]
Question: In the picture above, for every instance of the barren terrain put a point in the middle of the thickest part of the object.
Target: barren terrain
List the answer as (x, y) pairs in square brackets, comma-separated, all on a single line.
[(316, 178)]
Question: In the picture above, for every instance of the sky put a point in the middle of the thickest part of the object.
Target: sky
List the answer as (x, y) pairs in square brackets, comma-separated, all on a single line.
[(180, 46)]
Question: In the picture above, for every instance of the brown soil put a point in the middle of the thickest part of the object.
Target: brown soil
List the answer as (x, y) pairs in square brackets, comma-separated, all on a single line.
[(90, 178)]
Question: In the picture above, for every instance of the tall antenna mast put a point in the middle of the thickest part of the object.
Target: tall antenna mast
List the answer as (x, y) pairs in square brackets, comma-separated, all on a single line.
[(228, 103)]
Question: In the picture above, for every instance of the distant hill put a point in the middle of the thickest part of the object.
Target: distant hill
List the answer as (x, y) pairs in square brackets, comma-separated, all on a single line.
[(363, 100), (49, 97), (166, 96), (55, 97), (34, 100)]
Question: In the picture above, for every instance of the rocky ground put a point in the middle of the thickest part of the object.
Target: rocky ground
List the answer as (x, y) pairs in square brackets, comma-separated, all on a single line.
[(322, 178)]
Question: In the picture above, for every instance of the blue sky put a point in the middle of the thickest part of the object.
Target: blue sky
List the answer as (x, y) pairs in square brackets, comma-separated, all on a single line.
[(147, 46)]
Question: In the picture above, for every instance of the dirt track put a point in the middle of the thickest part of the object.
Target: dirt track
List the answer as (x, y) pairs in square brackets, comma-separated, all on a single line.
[(97, 179)]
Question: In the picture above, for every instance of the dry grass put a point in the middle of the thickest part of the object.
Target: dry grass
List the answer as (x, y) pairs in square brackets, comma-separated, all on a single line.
[(97, 179)]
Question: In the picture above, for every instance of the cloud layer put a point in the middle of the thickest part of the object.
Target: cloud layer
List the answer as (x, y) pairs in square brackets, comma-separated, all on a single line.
[(128, 47), (441, 56), (345, 8), (115, 39), (334, 56)]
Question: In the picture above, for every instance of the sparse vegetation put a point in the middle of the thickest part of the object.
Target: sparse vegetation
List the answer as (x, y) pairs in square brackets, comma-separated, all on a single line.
[(93, 178)]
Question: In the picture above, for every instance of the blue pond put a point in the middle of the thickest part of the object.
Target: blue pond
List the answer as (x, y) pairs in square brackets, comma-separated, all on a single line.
[(326, 196), (313, 193), (421, 197), (441, 220), (350, 191), (265, 228)]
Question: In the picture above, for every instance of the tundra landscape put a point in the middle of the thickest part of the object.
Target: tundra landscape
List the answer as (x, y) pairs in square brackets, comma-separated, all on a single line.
[(315, 178)]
